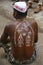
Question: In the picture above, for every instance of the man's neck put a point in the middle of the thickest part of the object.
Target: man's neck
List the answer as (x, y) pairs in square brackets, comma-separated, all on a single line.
[(21, 19)]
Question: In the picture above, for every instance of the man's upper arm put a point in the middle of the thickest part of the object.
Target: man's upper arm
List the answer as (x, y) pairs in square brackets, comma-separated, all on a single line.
[(4, 35), (35, 32)]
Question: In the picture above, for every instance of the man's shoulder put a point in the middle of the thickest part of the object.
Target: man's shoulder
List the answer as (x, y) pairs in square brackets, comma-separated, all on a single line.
[(32, 21), (11, 25)]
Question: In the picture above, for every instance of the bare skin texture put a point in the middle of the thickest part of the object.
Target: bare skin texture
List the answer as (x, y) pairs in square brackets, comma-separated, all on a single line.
[(10, 31)]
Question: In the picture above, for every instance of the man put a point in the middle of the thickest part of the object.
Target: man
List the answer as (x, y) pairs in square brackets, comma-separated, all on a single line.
[(38, 8), (22, 34)]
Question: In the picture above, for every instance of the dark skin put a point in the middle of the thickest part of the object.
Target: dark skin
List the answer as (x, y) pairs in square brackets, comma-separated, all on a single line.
[(8, 36)]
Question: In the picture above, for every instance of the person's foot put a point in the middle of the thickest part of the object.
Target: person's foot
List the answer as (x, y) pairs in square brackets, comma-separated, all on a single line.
[(38, 9), (29, 5)]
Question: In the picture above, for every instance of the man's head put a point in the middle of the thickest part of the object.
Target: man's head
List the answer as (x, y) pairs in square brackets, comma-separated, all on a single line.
[(20, 9)]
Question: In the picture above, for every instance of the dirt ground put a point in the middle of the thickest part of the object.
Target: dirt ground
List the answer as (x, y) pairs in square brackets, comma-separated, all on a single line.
[(6, 20)]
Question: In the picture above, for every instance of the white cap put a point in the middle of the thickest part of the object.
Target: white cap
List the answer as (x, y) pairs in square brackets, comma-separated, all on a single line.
[(20, 6), (39, 3)]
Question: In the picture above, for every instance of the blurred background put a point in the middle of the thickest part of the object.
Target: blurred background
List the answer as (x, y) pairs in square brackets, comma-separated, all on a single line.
[(6, 17)]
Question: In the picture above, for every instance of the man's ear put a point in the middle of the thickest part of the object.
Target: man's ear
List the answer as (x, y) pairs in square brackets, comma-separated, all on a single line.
[(16, 13)]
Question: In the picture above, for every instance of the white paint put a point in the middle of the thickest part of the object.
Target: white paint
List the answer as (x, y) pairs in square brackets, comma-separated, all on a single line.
[(24, 29), (20, 40)]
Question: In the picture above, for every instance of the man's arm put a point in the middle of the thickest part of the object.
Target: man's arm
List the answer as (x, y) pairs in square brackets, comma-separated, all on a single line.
[(35, 27), (4, 36)]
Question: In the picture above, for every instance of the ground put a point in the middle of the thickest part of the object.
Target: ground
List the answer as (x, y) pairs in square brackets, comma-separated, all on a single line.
[(6, 17)]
